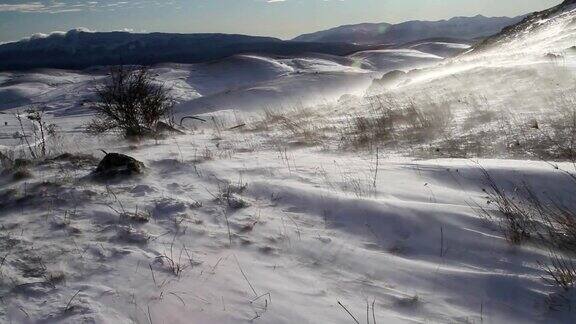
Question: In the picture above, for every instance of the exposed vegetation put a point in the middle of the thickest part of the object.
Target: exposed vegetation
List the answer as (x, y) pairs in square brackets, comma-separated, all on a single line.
[(130, 101), (526, 216)]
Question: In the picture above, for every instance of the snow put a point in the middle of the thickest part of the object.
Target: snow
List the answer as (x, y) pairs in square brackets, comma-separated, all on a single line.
[(442, 49), (251, 225), (540, 62), (396, 59), (309, 239)]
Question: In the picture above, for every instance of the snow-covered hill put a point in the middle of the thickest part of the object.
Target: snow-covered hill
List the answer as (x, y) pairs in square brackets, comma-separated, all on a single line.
[(242, 82), (338, 207), (439, 48), (530, 26), (395, 59)]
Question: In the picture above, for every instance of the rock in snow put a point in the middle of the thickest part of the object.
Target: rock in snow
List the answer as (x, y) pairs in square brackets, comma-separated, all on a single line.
[(116, 164)]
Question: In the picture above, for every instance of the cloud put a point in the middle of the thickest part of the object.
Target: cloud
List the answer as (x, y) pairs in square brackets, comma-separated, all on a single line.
[(58, 33), (23, 7), (60, 6)]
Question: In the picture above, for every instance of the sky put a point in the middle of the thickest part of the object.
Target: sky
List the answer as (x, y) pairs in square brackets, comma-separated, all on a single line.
[(279, 18)]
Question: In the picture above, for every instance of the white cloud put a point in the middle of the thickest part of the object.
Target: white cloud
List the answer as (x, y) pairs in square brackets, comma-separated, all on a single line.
[(60, 6), (23, 7)]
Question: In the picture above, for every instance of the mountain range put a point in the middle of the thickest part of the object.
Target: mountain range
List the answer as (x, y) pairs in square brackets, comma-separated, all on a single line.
[(78, 49), (466, 28)]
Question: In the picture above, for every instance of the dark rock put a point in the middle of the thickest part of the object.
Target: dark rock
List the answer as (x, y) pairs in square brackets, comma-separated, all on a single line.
[(21, 163), (116, 164), (21, 174)]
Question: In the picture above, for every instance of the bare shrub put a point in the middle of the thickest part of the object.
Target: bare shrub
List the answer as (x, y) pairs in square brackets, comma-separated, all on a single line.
[(35, 139), (130, 101), (43, 129)]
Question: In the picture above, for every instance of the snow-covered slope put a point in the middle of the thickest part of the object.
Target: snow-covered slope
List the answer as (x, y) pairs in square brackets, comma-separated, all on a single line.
[(57, 88), (314, 232), (395, 59), (243, 82), (443, 49), (301, 81), (536, 50), (530, 26), (280, 221)]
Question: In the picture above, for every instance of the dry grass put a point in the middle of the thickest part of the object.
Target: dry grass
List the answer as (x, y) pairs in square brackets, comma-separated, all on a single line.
[(391, 122), (561, 271), (515, 217), (229, 192), (421, 126), (525, 216), (297, 126)]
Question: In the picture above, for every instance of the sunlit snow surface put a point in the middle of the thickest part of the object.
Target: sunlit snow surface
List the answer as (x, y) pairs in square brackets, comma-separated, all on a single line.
[(318, 225)]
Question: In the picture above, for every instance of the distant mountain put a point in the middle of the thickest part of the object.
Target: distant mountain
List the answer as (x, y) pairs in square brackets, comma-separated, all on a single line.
[(359, 34), (78, 49), (459, 27)]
